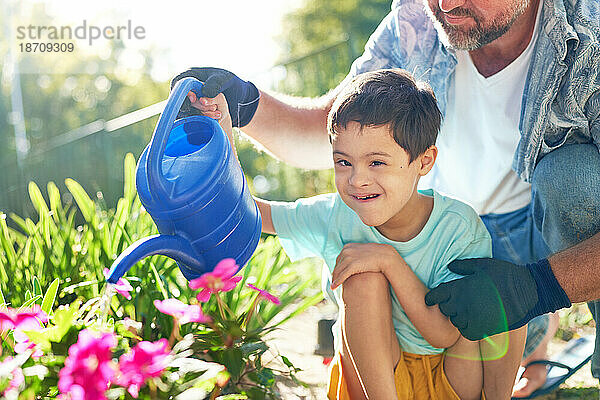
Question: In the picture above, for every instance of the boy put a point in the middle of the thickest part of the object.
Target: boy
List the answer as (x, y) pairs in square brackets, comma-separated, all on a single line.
[(378, 234)]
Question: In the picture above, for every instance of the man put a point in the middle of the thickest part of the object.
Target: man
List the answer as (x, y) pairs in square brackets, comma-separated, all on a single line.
[(518, 81)]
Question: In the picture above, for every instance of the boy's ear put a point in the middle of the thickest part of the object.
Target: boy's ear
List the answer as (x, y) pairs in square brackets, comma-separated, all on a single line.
[(427, 159)]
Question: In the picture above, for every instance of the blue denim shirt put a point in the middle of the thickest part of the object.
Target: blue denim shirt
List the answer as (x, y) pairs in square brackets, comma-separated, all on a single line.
[(561, 100)]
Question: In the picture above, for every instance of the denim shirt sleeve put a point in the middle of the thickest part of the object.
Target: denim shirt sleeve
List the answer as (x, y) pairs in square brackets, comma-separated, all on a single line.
[(404, 39), (380, 50), (592, 109)]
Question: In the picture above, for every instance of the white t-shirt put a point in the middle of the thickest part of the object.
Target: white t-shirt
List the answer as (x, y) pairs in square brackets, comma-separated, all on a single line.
[(479, 136)]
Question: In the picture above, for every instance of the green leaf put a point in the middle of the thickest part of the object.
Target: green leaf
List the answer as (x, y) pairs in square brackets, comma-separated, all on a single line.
[(2, 300), (263, 376), (50, 296), (251, 348), (233, 361), (287, 362), (29, 302), (64, 318), (37, 199), (55, 203), (7, 246), (20, 222), (119, 221), (129, 191), (37, 289), (124, 331), (232, 397), (85, 204)]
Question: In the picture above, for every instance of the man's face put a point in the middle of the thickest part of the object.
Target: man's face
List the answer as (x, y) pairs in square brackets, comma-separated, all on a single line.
[(471, 24)]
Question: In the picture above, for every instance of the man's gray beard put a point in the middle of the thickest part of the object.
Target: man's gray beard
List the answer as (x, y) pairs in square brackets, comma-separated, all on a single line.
[(478, 36)]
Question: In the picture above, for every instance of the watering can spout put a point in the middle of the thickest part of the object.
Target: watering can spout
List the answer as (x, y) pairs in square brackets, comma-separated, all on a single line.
[(175, 247)]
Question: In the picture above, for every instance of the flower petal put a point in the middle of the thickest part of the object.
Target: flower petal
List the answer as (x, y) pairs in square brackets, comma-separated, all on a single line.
[(199, 282), (203, 296), (226, 268)]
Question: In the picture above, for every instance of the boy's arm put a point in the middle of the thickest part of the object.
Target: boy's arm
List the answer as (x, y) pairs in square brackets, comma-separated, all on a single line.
[(265, 213), (357, 258)]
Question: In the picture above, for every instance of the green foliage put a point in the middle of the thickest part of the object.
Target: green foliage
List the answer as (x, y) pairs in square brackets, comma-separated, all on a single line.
[(62, 93), (183, 372), (35, 254), (236, 336)]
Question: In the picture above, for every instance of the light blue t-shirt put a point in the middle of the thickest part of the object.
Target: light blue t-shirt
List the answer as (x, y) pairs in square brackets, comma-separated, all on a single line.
[(321, 226)]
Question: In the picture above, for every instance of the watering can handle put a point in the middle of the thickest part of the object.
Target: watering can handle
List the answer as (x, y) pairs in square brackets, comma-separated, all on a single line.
[(163, 130)]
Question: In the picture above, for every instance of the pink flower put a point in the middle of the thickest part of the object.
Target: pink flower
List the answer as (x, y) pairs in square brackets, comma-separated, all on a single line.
[(22, 344), (265, 295), (88, 369), (146, 360), (123, 287), (17, 378), (222, 279), (184, 313), (26, 319)]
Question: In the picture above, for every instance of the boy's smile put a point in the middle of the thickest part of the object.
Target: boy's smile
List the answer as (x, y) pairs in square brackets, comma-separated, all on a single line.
[(375, 178)]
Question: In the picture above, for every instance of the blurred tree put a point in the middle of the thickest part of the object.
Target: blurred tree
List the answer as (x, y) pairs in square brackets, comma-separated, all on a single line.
[(66, 91), (321, 40)]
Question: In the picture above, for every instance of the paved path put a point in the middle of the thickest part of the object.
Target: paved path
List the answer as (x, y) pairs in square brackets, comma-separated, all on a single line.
[(297, 340)]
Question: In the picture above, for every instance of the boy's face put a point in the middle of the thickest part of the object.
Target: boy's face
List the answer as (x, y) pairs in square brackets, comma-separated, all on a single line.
[(373, 175)]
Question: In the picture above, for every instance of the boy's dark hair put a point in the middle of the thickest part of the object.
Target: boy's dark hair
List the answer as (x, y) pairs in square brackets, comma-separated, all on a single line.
[(390, 96)]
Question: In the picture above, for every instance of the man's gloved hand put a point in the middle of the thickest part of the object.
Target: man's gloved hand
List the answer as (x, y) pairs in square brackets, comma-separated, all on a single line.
[(496, 296), (242, 96)]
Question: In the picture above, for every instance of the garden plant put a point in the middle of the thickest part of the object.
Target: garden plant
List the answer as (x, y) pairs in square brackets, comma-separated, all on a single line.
[(66, 334)]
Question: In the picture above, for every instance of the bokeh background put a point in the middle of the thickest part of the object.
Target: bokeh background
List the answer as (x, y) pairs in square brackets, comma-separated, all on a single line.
[(77, 114)]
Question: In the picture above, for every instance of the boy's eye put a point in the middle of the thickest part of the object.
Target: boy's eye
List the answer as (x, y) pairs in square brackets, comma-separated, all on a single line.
[(343, 163), (376, 163)]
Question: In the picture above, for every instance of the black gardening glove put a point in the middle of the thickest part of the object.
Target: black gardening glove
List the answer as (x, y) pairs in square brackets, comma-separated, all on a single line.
[(242, 96), (496, 296)]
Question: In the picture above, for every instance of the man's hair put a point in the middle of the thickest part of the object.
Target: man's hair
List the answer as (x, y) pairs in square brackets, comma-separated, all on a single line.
[(389, 97)]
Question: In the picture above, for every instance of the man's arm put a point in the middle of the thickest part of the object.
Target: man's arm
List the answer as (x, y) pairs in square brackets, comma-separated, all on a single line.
[(577, 270), (293, 129)]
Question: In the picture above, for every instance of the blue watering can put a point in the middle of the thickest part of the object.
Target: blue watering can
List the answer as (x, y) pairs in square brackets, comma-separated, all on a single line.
[(193, 187)]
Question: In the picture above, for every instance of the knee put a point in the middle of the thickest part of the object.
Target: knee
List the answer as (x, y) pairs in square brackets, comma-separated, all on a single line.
[(566, 194), (365, 288)]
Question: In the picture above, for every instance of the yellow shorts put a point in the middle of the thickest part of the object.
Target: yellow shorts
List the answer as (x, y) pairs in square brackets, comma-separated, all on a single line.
[(418, 377)]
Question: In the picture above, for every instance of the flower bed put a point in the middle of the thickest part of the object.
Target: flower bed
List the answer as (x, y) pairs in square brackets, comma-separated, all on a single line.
[(64, 335)]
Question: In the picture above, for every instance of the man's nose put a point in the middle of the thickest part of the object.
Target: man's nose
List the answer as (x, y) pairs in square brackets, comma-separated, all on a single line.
[(449, 5)]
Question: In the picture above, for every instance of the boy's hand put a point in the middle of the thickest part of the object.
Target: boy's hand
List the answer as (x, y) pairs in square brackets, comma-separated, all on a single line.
[(215, 107), (242, 96), (356, 258)]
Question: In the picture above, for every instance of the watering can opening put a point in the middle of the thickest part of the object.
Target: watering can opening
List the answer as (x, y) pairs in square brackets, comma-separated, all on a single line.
[(189, 135)]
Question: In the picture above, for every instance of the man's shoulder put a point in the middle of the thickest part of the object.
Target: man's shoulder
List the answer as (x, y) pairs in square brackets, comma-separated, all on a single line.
[(584, 16), (412, 31)]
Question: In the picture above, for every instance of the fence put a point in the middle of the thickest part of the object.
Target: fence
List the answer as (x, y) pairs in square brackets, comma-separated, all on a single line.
[(93, 154)]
